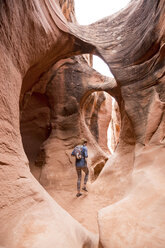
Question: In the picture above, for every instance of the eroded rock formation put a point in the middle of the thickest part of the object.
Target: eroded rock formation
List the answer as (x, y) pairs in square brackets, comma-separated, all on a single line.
[(131, 42), (114, 126), (136, 217), (31, 41), (98, 115), (65, 114), (64, 118)]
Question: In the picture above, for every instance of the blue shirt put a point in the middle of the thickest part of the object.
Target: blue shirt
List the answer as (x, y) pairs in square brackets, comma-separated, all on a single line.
[(84, 153)]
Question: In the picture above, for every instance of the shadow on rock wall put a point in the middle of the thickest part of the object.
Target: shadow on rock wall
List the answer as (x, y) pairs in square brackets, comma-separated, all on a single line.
[(67, 112), (34, 36)]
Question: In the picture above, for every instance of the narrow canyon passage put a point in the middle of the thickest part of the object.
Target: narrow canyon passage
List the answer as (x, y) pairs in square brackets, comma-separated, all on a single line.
[(44, 85), (50, 156), (85, 208), (57, 172)]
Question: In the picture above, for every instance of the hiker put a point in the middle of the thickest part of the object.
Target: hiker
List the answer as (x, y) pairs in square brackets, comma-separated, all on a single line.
[(81, 152)]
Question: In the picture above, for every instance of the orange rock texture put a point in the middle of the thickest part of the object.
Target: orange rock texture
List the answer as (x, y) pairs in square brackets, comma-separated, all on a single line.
[(43, 100), (133, 177)]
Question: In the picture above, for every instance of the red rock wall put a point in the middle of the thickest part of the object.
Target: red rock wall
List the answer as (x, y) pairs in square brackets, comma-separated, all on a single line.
[(98, 116), (67, 123), (31, 41), (132, 178), (65, 117), (132, 44), (114, 127)]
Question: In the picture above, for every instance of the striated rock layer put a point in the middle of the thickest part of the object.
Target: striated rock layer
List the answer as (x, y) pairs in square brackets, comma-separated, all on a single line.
[(62, 114), (31, 41), (34, 36), (133, 47), (67, 122)]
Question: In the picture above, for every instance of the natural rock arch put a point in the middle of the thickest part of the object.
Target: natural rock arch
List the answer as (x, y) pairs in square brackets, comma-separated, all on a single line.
[(137, 61), (65, 113)]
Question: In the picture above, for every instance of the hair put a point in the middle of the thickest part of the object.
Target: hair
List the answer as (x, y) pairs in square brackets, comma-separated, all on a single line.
[(84, 141)]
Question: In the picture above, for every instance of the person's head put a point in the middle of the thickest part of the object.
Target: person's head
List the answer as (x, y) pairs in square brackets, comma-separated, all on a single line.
[(84, 142)]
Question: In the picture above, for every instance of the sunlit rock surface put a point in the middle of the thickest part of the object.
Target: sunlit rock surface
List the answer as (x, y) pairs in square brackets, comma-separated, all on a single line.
[(133, 47), (62, 122), (31, 42), (34, 36)]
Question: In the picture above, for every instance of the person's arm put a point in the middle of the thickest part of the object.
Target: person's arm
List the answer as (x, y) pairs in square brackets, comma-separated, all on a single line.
[(73, 154)]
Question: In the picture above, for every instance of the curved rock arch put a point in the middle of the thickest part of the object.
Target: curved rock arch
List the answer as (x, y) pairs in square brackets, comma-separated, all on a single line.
[(138, 67)]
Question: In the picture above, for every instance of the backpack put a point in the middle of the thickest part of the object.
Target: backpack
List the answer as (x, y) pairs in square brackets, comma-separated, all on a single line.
[(77, 152)]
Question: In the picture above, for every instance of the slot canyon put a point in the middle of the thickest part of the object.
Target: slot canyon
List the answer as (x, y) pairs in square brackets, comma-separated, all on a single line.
[(51, 98)]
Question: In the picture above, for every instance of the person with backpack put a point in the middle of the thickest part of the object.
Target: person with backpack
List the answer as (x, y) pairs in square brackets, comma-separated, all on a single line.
[(81, 153)]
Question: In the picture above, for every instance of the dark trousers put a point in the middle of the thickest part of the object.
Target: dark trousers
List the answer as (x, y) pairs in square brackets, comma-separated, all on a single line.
[(79, 175)]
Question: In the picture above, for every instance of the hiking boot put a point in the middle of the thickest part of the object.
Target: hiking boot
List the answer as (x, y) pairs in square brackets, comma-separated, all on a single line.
[(85, 189), (78, 194)]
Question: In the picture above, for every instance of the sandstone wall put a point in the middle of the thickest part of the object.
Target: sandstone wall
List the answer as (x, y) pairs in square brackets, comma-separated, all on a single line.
[(32, 39), (67, 110), (134, 49), (131, 42), (62, 121)]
